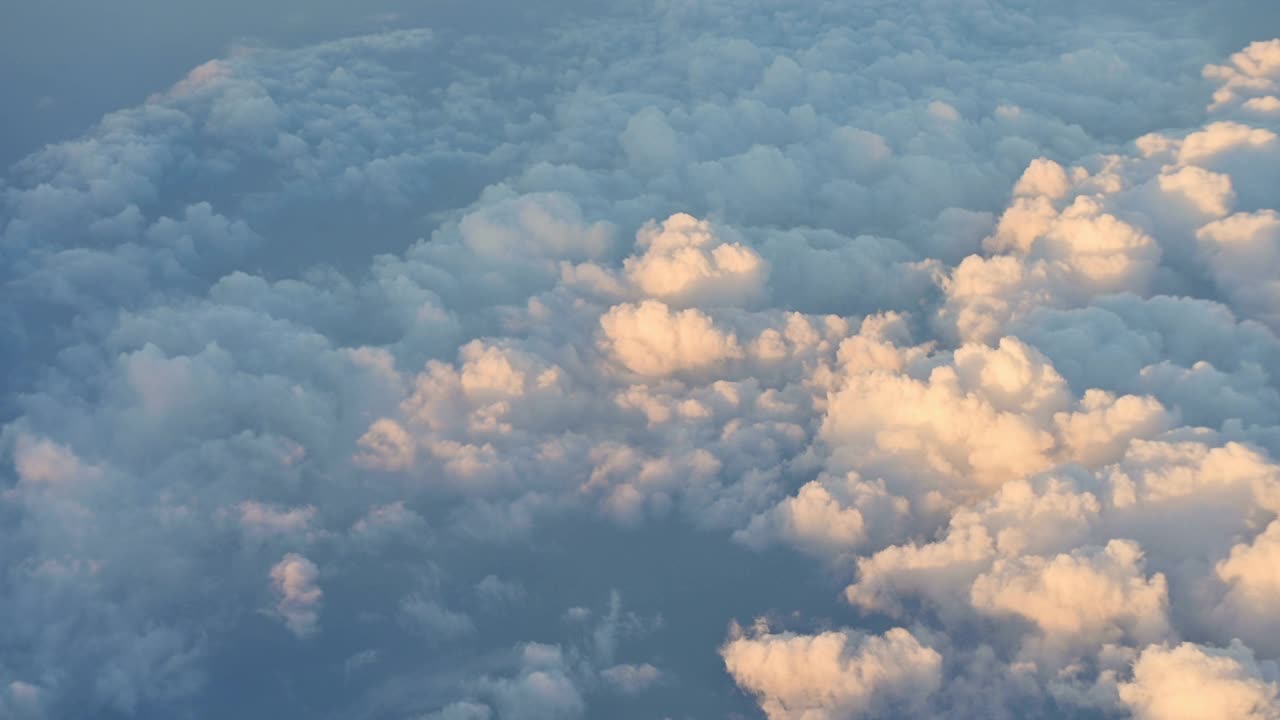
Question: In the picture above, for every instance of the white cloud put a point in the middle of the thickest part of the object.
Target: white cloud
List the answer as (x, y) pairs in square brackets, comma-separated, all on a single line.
[(299, 596), (835, 674), (1252, 574), (684, 264), (983, 326), (1243, 252), (1191, 681), (1253, 70), (829, 517), (1085, 599), (651, 339)]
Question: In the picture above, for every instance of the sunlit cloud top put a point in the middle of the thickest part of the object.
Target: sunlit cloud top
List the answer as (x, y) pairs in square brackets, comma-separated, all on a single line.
[(692, 360)]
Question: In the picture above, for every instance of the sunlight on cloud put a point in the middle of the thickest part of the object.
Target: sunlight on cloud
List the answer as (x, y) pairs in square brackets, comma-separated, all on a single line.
[(692, 360)]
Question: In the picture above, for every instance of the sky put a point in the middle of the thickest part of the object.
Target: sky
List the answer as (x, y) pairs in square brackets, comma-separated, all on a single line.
[(680, 359)]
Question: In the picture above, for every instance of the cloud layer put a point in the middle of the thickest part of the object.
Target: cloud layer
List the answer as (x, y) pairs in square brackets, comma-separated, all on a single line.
[(701, 359)]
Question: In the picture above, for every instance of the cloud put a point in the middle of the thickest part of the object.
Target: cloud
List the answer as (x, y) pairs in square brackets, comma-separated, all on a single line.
[(990, 415), (294, 580), (829, 517), (836, 674), (1242, 255), (541, 689), (685, 265), (650, 339), (1189, 681), (1086, 598), (968, 310), (631, 679), (424, 616), (462, 711), (260, 519), (1251, 576), (1252, 70)]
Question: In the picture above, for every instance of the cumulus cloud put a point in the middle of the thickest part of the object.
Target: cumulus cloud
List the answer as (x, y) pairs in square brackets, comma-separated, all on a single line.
[(990, 415), (1243, 252), (1087, 598), (651, 339), (836, 674), (294, 580), (685, 264), (421, 343), (1252, 574), (631, 679), (1190, 681), (542, 689), (829, 517)]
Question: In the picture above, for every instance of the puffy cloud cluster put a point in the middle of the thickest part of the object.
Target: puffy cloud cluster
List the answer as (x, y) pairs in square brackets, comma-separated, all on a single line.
[(835, 674), (354, 377), (294, 580), (1189, 681), (684, 264)]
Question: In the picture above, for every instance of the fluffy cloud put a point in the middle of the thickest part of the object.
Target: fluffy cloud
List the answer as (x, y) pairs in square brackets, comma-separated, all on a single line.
[(828, 517), (990, 415), (294, 581), (1243, 252), (1190, 681), (631, 679), (1086, 598), (1252, 574), (836, 674), (653, 340), (445, 337), (1080, 566), (541, 690), (684, 264)]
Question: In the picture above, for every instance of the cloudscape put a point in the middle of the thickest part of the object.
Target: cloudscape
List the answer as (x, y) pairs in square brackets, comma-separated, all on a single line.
[(675, 359)]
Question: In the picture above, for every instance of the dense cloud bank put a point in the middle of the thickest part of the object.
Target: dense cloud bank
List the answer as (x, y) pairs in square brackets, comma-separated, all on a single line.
[(870, 360)]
